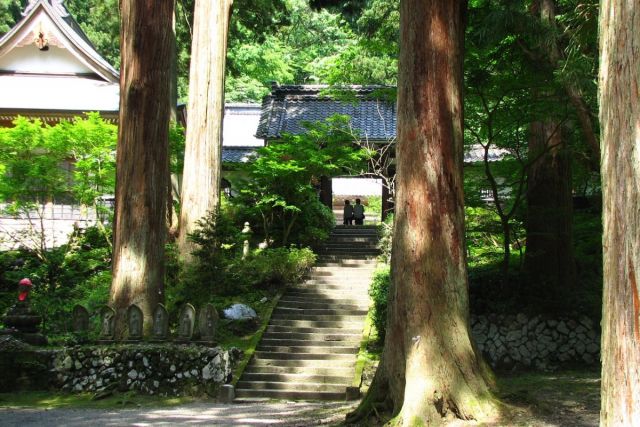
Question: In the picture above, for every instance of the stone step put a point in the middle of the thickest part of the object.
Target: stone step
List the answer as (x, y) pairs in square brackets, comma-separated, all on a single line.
[(319, 318), (343, 271), (289, 338), (297, 386), (294, 395), (348, 263), (278, 329), (360, 302), (350, 324), (343, 363), (328, 295), (310, 349), (344, 380), (338, 371), (342, 257), (285, 311), (286, 302), (335, 283), (279, 355), (353, 343)]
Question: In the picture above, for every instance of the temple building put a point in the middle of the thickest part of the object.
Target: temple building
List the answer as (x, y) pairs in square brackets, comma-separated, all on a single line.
[(50, 70)]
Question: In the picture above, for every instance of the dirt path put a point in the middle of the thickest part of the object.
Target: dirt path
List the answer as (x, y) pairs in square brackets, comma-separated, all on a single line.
[(287, 414), (565, 399)]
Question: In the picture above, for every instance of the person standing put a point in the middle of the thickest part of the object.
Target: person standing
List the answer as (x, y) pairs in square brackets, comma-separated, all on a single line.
[(347, 213), (358, 213)]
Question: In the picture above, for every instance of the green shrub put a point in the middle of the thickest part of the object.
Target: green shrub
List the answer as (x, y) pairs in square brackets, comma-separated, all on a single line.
[(78, 272), (379, 292)]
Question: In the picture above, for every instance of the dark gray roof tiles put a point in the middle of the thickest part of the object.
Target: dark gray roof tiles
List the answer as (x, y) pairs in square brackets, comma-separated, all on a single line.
[(288, 107), (238, 154)]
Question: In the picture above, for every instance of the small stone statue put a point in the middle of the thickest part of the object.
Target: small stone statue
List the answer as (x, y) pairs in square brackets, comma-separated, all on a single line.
[(24, 287), (207, 323), (80, 320), (186, 322), (107, 328), (160, 323), (21, 321), (135, 320)]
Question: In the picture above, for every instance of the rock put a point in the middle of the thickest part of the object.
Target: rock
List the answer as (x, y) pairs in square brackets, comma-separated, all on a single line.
[(580, 347), (172, 368), (145, 362), (206, 373), (156, 384), (562, 328), (239, 311), (593, 348), (78, 365), (133, 374), (263, 300), (522, 318)]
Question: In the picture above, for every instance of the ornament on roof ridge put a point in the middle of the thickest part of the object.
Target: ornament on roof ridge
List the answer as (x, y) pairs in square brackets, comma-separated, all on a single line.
[(57, 5)]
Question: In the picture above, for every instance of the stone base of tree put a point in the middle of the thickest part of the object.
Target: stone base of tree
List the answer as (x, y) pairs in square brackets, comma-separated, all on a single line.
[(520, 341), (155, 369)]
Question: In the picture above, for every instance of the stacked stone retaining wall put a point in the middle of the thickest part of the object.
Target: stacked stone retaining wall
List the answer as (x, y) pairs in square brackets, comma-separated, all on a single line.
[(156, 369), (520, 341)]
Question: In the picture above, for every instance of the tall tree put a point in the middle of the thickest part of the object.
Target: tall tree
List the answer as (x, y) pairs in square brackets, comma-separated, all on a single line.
[(430, 367), (549, 257), (141, 158), (619, 95), (202, 160)]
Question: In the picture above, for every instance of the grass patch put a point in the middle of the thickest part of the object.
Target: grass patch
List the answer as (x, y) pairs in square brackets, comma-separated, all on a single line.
[(53, 400)]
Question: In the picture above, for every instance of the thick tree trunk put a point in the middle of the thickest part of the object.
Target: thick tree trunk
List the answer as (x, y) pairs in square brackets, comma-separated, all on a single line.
[(142, 173), (620, 123), (549, 260), (430, 367), (203, 150)]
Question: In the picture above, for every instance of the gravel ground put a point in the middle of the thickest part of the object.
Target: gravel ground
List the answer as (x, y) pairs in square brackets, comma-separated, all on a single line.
[(287, 414)]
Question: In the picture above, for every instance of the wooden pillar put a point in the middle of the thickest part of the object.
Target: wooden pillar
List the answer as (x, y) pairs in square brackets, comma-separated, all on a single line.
[(326, 192)]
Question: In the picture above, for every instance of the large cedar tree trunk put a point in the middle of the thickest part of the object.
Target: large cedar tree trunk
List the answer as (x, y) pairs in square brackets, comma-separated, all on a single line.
[(430, 367), (203, 149), (549, 259), (142, 174), (620, 123)]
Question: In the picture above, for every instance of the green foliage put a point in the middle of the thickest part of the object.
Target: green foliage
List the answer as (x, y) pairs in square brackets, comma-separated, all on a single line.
[(75, 273), (280, 193), (221, 270), (9, 14), (379, 293), (35, 161), (30, 159)]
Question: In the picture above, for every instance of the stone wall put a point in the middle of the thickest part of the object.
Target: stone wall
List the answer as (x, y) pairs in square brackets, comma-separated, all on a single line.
[(519, 341), (157, 369)]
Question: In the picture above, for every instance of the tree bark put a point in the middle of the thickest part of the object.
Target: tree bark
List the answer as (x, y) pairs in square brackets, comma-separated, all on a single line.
[(141, 159), (203, 147), (619, 98), (430, 368), (549, 260)]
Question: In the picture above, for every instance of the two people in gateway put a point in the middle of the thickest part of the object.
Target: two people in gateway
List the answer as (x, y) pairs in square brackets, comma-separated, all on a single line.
[(353, 213)]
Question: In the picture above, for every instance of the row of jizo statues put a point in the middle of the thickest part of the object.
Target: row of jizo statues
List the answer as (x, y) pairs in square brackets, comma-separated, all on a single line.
[(203, 326)]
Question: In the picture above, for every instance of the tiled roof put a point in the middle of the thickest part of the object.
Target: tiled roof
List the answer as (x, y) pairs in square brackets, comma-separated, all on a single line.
[(288, 107), (372, 116), (237, 154), (475, 154)]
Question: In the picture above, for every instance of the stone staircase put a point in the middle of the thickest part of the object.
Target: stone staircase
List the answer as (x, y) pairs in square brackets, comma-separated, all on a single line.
[(310, 346)]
